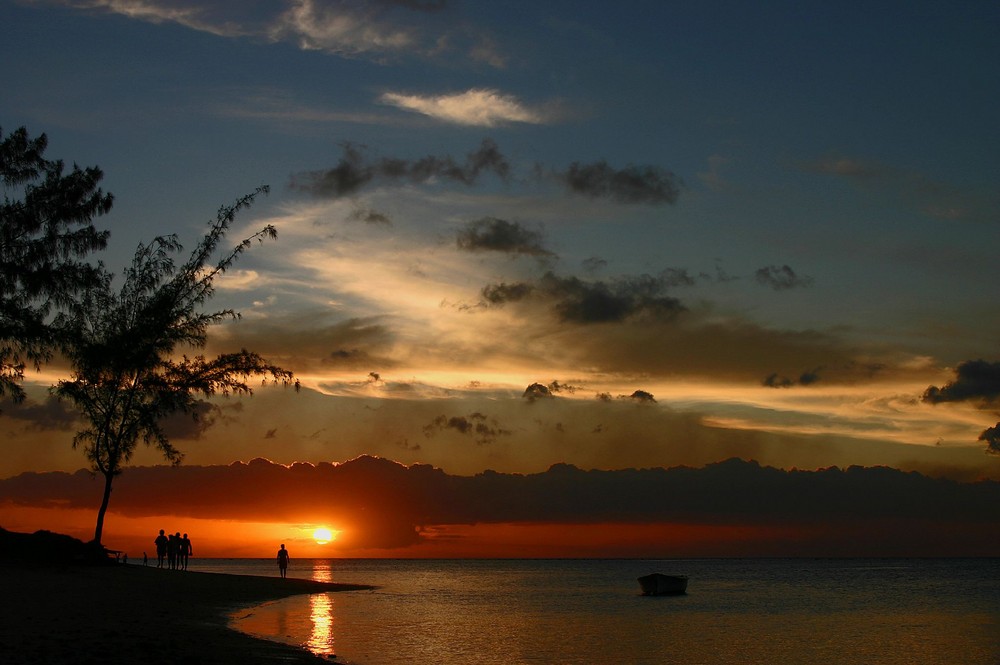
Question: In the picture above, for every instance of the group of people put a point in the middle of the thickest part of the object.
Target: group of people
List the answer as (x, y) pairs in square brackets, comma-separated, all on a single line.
[(175, 548)]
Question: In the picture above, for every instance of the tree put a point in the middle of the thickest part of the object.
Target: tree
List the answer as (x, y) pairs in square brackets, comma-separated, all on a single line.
[(45, 231), (122, 344)]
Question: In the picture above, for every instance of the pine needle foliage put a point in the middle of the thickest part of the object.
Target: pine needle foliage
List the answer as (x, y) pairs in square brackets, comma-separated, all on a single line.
[(126, 343)]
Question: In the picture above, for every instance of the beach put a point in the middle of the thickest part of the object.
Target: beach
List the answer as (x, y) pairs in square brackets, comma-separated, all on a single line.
[(55, 613)]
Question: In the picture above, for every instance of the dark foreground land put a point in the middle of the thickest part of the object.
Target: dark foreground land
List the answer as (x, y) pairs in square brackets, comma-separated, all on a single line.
[(64, 613)]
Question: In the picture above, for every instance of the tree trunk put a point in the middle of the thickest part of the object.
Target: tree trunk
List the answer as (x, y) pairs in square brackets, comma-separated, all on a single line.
[(108, 477)]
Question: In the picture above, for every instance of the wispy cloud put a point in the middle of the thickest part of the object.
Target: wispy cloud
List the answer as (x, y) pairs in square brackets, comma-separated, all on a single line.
[(477, 107), (930, 196), (371, 29), (223, 19), (342, 27), (280, 106)]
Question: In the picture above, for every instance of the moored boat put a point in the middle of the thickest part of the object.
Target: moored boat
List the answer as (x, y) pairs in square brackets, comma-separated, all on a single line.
[(658, 584)]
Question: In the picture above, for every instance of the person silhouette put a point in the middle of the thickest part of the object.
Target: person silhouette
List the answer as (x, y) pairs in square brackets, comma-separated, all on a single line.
[(161, 543), (283, 561), (185, 551), (172, 547), (145, 559)]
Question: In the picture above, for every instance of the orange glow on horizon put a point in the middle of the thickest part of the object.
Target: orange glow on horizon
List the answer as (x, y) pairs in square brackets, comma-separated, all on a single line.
[(231, 539)]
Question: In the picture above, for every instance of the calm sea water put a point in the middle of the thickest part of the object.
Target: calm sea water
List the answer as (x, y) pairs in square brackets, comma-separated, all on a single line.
[(775, 611)]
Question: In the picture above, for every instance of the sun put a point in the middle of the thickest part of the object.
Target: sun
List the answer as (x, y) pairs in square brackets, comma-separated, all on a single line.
[(322, 536)]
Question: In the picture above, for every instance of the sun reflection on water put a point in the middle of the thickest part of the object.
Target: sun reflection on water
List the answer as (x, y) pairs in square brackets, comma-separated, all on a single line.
[(321, 614), (321, 571)]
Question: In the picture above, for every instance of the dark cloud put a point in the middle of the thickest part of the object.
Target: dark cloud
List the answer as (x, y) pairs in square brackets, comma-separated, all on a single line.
[(645, 184), (578, 301), (191, 426), (536, 391), (632, 184), (391, 503), (369, 216), (48, 414), (485, 430), (975, 381), (490, 234), (593, 264), (499, 294), (354, 172), (642, 396), (807, 378), (781, 278), (557, 387), (991, 436)]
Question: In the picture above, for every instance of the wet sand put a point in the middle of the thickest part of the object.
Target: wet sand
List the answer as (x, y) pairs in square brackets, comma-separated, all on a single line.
[(137, 615)]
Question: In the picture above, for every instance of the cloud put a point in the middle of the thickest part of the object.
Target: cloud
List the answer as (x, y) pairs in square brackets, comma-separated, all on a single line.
[(306, 343), (632, 184), (216, 18), (476, 107), (642, 397), (931, 197), (781, 278), (537, 391), (191, 426), (578, 301), (369, 216), (774, 380), (485, 430), (353, 171), (342, 28), (390, 505), (490, 234), (49, 414), (375, 29), (651, 185), (991, 436), (593, 264), (975, 381)]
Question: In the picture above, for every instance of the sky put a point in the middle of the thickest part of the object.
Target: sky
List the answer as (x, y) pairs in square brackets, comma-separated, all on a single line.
[(533, 242)]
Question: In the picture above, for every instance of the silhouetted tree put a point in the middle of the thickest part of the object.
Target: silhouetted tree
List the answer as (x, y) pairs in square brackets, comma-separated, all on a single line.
[(45, 229), (122, 343)]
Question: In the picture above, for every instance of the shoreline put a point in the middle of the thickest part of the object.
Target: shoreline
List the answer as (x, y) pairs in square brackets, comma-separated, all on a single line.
[(130, 613)]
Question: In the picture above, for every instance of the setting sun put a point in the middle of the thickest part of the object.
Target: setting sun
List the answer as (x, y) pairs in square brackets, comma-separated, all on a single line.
[(322, 536)]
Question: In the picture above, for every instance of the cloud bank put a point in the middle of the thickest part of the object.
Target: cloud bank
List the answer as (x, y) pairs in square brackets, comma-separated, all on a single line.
[(390, 505)]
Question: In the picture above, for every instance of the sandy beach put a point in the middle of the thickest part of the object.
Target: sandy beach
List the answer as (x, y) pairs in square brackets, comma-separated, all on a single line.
[(133, 614)]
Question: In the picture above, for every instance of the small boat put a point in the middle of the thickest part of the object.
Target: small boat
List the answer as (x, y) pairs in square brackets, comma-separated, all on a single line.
[(658, 584)]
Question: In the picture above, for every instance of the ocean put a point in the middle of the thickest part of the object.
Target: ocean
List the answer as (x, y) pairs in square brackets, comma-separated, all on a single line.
[(774, 611)]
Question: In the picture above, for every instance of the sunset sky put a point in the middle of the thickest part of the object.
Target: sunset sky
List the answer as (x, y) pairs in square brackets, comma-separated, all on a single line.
[(609, 237)]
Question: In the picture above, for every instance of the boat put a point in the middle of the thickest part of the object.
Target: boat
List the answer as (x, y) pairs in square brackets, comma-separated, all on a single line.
[(658, 584)]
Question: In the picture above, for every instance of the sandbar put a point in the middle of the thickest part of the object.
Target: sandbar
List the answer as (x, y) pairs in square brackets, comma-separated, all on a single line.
[(138, 615)]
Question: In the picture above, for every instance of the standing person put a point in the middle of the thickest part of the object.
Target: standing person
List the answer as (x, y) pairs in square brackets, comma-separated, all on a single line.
[(283, 560), (161, 543), (172, 547), (185, 552)]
